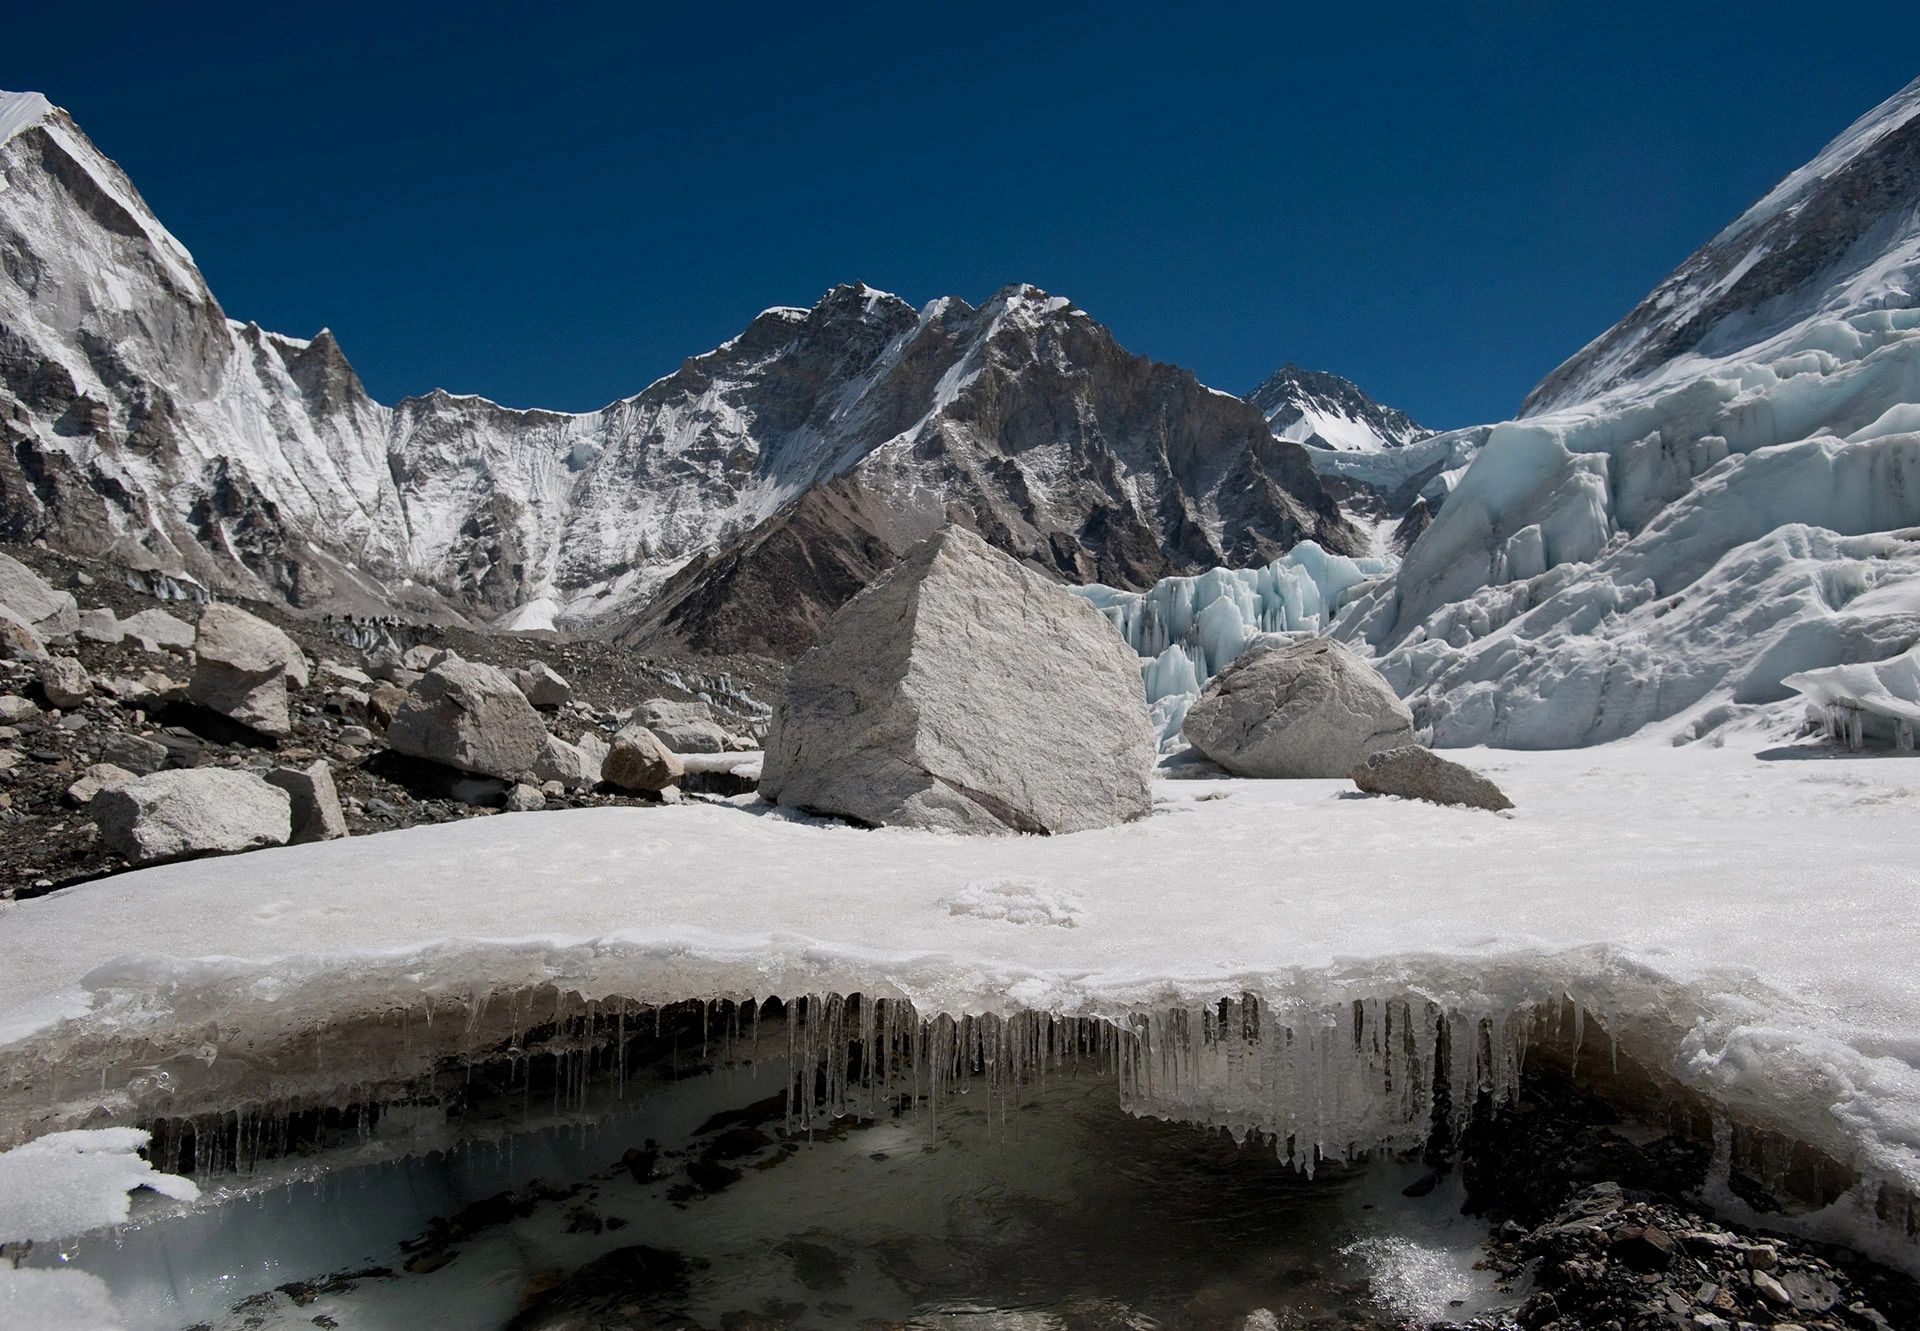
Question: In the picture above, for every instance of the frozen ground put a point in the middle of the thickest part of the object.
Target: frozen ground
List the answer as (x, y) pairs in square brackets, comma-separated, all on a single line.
[(1741, 918)]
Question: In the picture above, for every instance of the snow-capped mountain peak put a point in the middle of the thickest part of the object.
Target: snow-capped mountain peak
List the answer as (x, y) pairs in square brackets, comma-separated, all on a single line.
[(732, 503), (1325, 411)]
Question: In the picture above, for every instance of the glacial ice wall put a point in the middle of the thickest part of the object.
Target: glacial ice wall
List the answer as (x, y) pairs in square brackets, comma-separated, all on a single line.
[(1188, 629), (1680, 545)]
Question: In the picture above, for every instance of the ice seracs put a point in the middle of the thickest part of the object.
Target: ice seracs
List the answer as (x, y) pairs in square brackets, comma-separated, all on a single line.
[(1722, 491), (1189, 629), (1878, 700)]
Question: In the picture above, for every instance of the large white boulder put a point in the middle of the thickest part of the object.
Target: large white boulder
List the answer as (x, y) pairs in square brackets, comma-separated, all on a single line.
[(1300, 709), (966, 692), (52, 613), (472, 716), (242, 669), (193, 811)]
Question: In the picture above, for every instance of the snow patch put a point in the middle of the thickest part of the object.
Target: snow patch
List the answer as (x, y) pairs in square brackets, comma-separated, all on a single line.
[(1016, 901)]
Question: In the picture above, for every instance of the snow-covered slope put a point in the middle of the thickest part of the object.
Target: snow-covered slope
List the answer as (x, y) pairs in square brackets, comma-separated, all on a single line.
[(1722, 491), (139, 421)]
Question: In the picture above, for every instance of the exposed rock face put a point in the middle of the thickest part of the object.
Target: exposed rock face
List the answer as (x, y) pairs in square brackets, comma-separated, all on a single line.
[(684, 727), (197, 811), (1299, 710), (52, 614), (471, 716), (639, 761), (964, 692), (258, 464), (1415, 773), (315, 802), (243, 667)]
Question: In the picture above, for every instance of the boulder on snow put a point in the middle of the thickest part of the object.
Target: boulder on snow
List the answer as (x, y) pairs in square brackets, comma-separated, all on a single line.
[(51, 613), (1300, 709), (684, 727), (471, 716), (156, 630), (1415, 773), (315, 803), (65, 682), (568, 764), (242, 669), (193, 811), (99, 625), (964, 691), (19, 640), (543, 686), (638, 760)]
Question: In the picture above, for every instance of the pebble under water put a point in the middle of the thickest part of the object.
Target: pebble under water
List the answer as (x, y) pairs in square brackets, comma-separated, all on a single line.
[(701, 1204)]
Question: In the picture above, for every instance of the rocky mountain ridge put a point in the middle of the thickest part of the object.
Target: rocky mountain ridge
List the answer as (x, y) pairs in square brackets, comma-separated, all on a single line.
[(730, 505)]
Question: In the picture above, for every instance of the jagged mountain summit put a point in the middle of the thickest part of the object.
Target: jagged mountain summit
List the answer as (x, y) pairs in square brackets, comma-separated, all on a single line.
[(1325, 411), (730, 505), (1716, 495)]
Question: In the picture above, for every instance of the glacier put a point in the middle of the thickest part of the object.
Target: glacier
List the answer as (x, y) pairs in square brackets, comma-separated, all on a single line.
[(1188, 629), (1719, 493)]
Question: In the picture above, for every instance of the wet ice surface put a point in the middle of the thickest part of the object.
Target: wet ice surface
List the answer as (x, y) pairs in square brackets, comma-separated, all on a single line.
[(1063, 1212)]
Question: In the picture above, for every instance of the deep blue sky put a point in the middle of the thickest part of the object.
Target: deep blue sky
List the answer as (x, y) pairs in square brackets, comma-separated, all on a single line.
[(553, 206)]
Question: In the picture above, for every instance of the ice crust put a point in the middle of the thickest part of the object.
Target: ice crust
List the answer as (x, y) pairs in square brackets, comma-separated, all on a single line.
[(67, 1183), (1741, 926), (1188, 629)]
